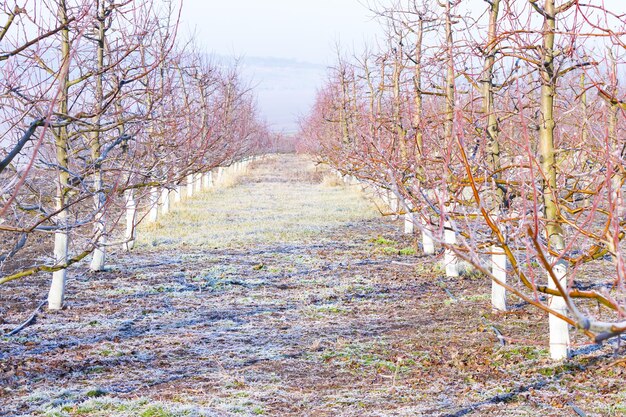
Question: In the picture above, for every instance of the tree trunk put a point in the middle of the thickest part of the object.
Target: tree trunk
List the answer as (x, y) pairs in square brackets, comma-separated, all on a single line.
[(131, 215), (98, 259), (498, 269), (178, 194), (220, 176), (492, 132), (153, 216), (409, 223), (198, 182), (56, 296), (99, 256), (165, 201), (428, 243), (449, 258), (190, 185), (559, 329)]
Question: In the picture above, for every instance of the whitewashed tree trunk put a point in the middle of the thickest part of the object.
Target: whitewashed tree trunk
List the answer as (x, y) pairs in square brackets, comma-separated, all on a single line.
[(131, 214), (220, 175), (165, 201), (178, 194), (428, 243), (98, 258), (190, 185), (153, 216), (409, 218), (56, 296), (394, 204), (559, 329), (198, 182), (449, 258), (498, 269), (409, 223), (205, 181)]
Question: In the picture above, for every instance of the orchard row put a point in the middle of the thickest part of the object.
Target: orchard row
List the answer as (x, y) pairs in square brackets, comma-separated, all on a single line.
[(499, 131), (104, 111)]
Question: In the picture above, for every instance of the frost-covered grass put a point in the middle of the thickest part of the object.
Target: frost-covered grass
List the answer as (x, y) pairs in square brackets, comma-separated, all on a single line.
[(344, 322), (114, 407), (260, 212)]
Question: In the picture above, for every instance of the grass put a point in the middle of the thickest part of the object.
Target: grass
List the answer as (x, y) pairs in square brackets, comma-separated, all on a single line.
[(266, 213), (381, 241), (290, 328), (391, 247), (109, 407), (360, 357)]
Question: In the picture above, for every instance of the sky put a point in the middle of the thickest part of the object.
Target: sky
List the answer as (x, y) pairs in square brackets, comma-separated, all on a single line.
[(286, 45), (302, 30)]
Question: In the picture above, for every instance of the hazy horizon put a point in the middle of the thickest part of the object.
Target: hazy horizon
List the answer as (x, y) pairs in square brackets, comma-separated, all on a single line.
[(283, 46)]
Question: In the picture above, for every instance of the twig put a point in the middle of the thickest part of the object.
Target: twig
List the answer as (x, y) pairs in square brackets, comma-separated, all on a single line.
[(443, 286), (617, 362), (29, 321), (577, 410), (497, 331)]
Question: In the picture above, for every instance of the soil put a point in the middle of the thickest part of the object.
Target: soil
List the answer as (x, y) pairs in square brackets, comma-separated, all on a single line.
[(342, 319)]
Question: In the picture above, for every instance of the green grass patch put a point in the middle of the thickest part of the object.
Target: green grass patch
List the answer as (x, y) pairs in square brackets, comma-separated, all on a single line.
[(102, 406), (381, 241), (367, 356)]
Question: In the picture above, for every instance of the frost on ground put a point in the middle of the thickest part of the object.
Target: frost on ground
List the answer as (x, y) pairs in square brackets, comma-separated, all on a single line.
[(285, 296)]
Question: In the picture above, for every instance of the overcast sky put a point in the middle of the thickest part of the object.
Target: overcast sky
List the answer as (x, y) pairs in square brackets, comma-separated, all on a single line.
[(305, 31)]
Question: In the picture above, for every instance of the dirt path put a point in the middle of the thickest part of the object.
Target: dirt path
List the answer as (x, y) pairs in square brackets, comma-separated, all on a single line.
[(281, 296)]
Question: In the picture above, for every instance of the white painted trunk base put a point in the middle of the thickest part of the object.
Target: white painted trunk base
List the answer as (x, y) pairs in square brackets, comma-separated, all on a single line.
[(153, 216), (206, 180), (165, 201), (190, 185), (131, 213), (559, 329), (428, 243), (56, 296), (198, 183), (98, 258), (449, 258), (178, 194), (393, 202), (409, 223), (498, 269)]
